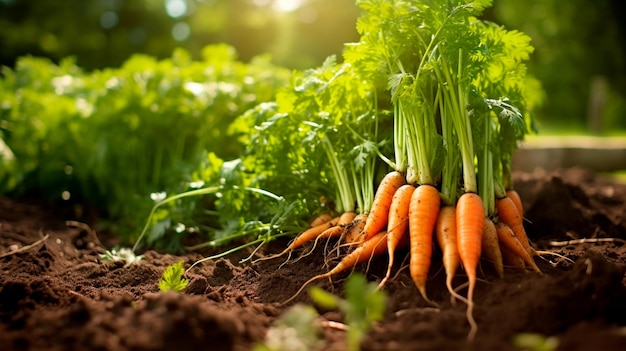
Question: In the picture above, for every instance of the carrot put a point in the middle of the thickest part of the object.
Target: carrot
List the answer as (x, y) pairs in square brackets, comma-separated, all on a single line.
[(507, 238), (321, 219), (310, 234), (491, 247), (354, 230), (331, 232), (423, 213), (375, 246), (445, 231), (379, 212), (344, 221), (517, 200), (398, 223), (305, 237), (511, 259), (337, 228), (508, 213), (346, 218), (470, 221)]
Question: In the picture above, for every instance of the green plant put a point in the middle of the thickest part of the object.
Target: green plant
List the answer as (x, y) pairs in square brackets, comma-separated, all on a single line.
[(172, 279), (298, 329), (104, 141), (242, 228), (363, 305), (535, 342)]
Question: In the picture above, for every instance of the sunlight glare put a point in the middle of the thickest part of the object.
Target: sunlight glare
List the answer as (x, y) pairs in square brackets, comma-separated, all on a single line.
[(175, 8), (261, 3), (287, 5), (181, 31)]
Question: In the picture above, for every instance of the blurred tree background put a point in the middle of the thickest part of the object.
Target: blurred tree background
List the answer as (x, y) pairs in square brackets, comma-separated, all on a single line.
[(580, 44)]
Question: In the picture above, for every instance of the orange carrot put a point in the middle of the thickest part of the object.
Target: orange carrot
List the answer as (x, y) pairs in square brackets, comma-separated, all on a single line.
[(379, 212), (344, 220), (508, 213), (491, 247), (470, 222), (398, 223), (375, 246), (304, 237), (423, 213), (507, 238), (354, 230), (331, 232), (321, 219), (445, 231), (310, 234), (517, 200), (511, 259)]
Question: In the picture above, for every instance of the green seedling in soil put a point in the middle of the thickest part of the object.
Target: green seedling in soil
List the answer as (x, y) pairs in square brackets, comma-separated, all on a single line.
[(364, 304), (296, 330), (172, 279), (535, 342), (123, 254)]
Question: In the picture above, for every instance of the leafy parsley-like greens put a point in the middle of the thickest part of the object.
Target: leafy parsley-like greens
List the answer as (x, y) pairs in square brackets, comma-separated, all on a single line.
[(172, 279)]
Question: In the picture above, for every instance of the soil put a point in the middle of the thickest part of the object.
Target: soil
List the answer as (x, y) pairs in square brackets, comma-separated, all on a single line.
[(59, 294)]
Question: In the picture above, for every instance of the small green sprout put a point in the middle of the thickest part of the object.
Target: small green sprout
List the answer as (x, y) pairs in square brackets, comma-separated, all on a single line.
[(298, 329), (124, 254), (535, 342), (172, 279), (364, 305)]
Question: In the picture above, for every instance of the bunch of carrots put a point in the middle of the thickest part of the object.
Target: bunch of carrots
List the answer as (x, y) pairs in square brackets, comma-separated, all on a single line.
[(456, 86)]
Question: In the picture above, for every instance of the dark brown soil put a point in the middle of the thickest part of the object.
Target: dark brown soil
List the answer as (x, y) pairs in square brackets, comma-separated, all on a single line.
[(59, 295)]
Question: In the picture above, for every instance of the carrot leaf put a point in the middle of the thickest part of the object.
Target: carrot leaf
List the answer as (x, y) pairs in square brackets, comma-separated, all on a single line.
[(172, 279)]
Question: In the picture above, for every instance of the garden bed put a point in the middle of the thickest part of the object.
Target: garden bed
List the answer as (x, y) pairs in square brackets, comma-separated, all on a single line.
[(59, 295)]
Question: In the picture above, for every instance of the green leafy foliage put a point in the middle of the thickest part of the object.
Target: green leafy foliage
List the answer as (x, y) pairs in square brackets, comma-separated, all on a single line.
[(108, 139), (364, 304), (172, 279), (442, 69), (303, 145)]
